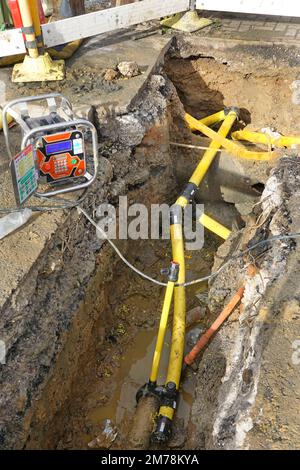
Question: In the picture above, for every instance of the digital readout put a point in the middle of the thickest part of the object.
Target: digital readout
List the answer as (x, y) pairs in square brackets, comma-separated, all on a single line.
[(59, 147)]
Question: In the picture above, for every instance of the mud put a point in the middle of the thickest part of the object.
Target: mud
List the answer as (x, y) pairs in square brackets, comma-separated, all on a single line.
[(120, 364), (96, 321)]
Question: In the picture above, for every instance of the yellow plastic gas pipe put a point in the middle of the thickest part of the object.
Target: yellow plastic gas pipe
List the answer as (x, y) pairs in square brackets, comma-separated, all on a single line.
[(27, 21), (177, 346), (210, 154), (212, 119), (176, 232), (178, 331), (214, 226), (233, 148), (162, 331), (261, 138)]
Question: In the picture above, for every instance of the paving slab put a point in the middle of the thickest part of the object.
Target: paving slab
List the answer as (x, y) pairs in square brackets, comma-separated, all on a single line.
[(252, 27)]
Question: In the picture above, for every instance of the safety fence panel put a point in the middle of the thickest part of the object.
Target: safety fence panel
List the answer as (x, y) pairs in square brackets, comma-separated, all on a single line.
[(91, 24), (103, 21), (11, 42), (257, 7), (111, 19)]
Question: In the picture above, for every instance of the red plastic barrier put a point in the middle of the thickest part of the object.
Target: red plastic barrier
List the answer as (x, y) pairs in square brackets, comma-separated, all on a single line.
[(16, 15)]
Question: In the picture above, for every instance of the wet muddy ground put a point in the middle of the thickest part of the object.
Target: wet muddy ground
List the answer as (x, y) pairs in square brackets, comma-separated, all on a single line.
[(122, 366)]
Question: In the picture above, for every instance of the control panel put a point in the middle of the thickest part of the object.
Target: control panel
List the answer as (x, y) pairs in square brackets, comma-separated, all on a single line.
[(54, 158), (61, 156)]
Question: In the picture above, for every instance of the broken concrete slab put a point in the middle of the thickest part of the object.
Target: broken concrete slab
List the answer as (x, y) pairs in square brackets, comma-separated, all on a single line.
[(83, 83), (148, 53)]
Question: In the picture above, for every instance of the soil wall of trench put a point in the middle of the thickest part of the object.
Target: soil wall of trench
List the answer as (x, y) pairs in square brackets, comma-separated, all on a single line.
[(247, 392)]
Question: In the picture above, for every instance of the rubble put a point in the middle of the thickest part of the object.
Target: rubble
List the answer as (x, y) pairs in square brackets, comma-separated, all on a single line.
[(128, 69), (110, 74)]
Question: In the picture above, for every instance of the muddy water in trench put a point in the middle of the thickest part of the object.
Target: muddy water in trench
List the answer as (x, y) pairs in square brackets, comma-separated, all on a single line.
[(112, 396), (132, 374)]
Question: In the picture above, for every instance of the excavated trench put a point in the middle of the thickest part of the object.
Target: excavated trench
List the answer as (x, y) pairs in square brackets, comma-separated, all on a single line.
[(107, 347)]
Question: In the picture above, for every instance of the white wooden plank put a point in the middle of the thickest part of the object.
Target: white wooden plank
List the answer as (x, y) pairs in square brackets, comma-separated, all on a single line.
[(11, 42), (257, 7), (91, 24)]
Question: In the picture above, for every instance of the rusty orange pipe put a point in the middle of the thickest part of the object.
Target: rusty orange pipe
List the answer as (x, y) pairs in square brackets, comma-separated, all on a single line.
[(204, 339)]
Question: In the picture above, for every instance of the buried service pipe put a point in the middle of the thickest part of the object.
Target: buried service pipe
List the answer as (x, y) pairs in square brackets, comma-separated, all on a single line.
[(169, 393), (262, 138), (173, 278), (204, 339), (162, 431), (214, 226), (232, 147), (212, 119)]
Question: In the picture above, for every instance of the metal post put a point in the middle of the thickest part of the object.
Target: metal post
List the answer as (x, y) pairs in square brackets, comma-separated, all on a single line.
[(37, 65), (28, 28), (36, 24), (192, 5)]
